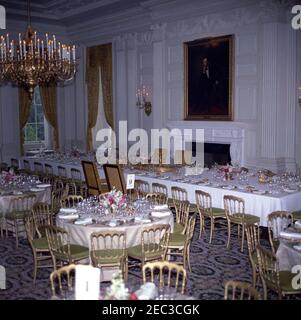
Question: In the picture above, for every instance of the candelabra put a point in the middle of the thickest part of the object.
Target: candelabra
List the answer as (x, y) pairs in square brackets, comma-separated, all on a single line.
[(143, 102)]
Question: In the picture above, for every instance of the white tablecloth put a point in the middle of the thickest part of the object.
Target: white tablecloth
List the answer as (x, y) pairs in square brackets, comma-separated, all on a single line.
[(80, 234), (41, 196), (76, 164), (259, 205), (287, 255)]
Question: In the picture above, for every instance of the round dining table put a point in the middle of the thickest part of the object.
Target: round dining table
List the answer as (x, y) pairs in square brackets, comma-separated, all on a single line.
[(80, 234)]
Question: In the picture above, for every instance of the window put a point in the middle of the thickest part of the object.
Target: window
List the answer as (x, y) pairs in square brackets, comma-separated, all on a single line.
[(35, 129)]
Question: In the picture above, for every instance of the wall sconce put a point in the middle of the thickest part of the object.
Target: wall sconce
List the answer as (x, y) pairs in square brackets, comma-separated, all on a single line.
[(143, 100), (299, 95)]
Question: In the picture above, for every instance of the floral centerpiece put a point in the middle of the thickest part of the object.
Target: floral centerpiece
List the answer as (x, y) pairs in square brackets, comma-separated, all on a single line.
[(8, 177), (118, 290), (114, 200), (226, 171)]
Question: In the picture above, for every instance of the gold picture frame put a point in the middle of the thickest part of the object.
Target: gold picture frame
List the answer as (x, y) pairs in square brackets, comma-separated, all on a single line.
[(208, 78)]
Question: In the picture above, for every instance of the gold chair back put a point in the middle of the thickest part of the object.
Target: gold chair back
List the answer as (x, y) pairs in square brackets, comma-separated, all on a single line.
[(142, 187), (165, 274), (58, 242), (234, 205), (156, 198), (182, 213), (203, 202), (76, 174), (92, 178), (114, 177), (62, 278), (268, 269), (48, 169), (154, 240), (62, 171), (71, 201), (42, 217), (23, 203), (238, 290), (160, 188), (278, 221)]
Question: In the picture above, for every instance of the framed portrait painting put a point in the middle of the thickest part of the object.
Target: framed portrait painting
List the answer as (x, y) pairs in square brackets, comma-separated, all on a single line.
[(209, 78)]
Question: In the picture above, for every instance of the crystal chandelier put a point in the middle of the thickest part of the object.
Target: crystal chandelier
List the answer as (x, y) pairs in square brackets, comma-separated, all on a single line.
[(29, 61)]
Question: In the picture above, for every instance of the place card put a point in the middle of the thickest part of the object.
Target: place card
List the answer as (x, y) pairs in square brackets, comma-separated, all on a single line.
[(87, 279), (130, 181)]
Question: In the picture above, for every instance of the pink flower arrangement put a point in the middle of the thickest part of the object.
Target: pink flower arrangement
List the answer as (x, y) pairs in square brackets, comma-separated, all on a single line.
[(114, 200)]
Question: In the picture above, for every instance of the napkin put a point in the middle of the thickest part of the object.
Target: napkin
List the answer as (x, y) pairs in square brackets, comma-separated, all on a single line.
[(160, 214), (112, 224), (290, 235), (17, 192), (36, 189), (143, 220), (148, 291), (68, 210), (160, 206), (297, 247), (84, 221), (68, 213), (44, 185), (298, 224)]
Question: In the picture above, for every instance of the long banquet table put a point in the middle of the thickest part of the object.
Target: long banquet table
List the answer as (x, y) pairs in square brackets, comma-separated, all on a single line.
[(257, 204)]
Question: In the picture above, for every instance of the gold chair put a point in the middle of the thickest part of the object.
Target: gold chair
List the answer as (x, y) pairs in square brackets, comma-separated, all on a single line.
[(142, 187), (61, 249), (179, 244), (114, 177), (42, 217), (71, 188), (62, 171), (296, 215), (235, 213), (252, 241), (92, 178), (238, 290), (205, 209), (156, 198), (154, 243), (58, 184), (21, 208), (76, 174), (62, 278), (278, 221), (56, 197), (278, 281), (39, 246), (48, 169), (178, 195), (159, 188), (168, 274), (182, 216), (108, 249), (71, 201)]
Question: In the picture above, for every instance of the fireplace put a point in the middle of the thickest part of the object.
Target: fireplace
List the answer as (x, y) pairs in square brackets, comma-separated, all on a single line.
[(214, 153)]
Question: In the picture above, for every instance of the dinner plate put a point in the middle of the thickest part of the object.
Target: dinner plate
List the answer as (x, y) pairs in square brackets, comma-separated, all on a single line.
[(68, 210), (260, 192), (36, 189), (290, 190), (44, 185)]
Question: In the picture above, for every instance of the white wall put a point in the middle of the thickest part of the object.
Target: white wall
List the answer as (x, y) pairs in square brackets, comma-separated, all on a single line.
[(148, 49)]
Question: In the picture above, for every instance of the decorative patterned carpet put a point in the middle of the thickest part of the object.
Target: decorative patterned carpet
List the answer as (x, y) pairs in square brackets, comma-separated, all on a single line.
[(212, 265)]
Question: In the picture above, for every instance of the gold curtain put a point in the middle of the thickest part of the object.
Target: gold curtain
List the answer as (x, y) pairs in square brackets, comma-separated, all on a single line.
[(99, 57), (48, 95), (24, 111)]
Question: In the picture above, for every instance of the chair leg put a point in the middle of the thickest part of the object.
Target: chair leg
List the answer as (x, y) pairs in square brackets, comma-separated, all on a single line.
[(211, 229), (242, 238), (238, 231), (188, 257), (229, 234), (201, 226), (16, 233), (35, 268), (254, 276)]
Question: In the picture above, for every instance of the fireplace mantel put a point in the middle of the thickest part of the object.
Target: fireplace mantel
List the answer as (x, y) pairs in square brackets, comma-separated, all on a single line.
[(232, 133)]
